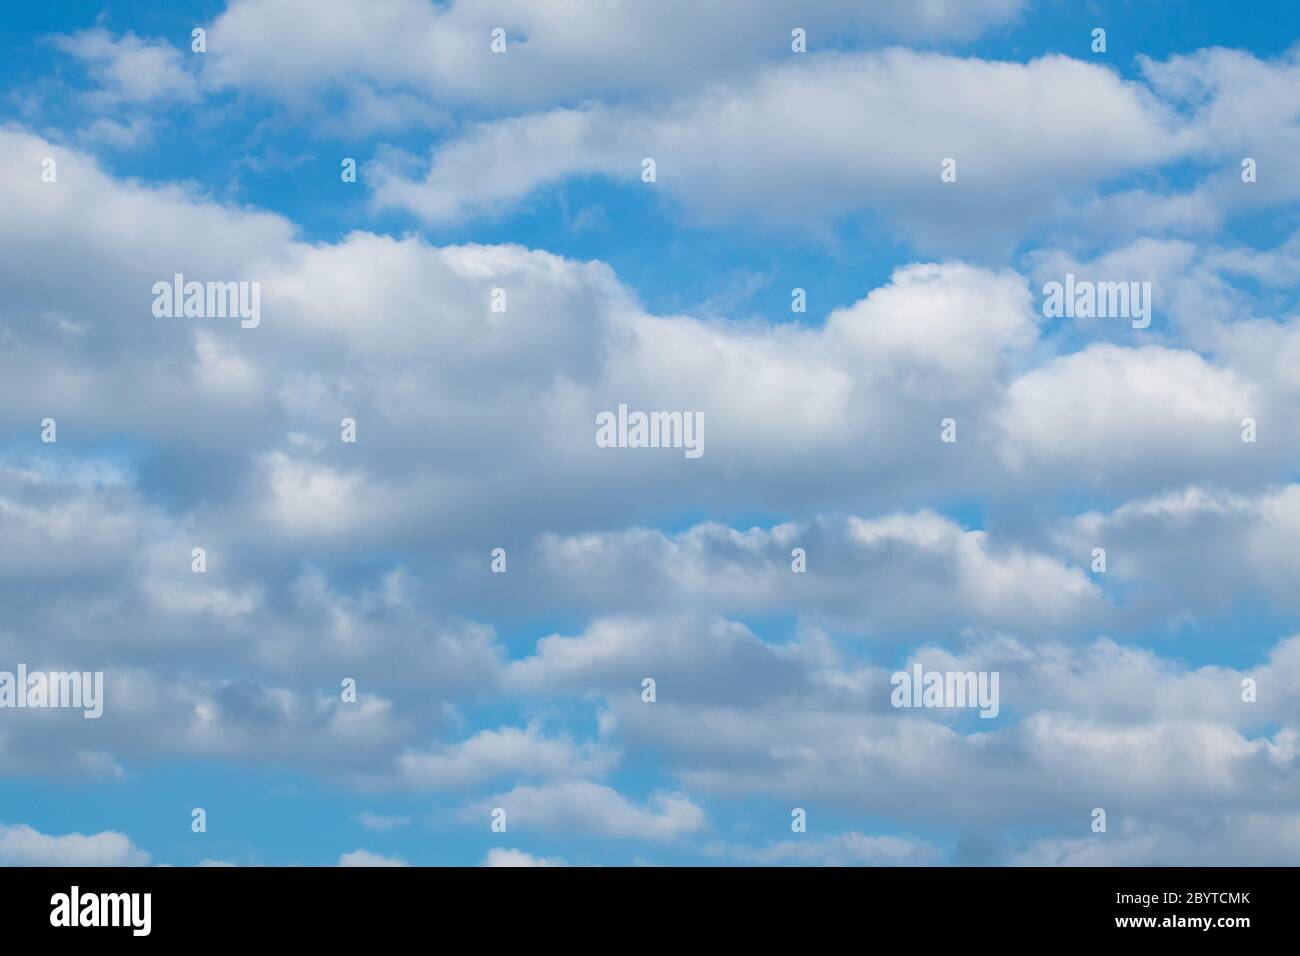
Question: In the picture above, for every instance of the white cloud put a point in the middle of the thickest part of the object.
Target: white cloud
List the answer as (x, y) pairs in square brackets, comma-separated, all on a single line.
[(130, 69), (1197, 550), (1259, 839), (154, 714), (116, 134), (1132, 416), (841, 849), (803, 143), (366, 858), (694, 657), (584, 807), (891, 576), (292, 50), (501, 857), (510, 753), (20, 845), (790, 408), (1122, 726)]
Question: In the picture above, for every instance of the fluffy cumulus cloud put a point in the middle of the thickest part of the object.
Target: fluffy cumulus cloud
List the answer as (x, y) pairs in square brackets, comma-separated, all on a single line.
[(130, 69), (509, 752), (1132, 730), (20, 845), (891, 576), (593, 809), (1248, 840), (802, 144), (818, 138), (366, 858), (289, 49), (841, 849), (499, 857), (669, 652)]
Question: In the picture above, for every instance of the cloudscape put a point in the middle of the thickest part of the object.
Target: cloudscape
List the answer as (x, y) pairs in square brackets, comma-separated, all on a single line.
[(528, 432)]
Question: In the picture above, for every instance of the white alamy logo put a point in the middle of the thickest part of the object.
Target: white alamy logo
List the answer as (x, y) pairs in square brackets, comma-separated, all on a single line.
[(80, 690), (208, 300), (651, 430), (946, 689), (1084, 299), (75, 908)]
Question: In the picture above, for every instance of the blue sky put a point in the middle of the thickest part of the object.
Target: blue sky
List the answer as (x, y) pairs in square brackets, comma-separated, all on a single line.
[(775, 170)]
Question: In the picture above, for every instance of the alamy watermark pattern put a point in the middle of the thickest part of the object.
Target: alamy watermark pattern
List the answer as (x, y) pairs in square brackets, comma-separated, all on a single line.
[(78, 690), (215, 300), (947, 689), (626, 429)]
